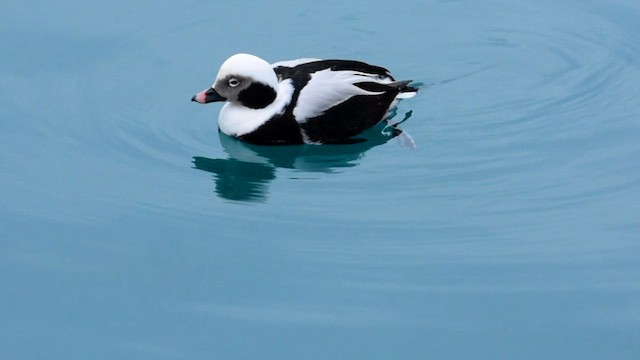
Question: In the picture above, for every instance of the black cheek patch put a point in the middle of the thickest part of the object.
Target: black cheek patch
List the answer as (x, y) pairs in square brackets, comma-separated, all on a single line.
[(257, 96)]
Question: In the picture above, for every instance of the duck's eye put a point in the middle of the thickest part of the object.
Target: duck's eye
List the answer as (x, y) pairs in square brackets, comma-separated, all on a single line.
[(233, 82)]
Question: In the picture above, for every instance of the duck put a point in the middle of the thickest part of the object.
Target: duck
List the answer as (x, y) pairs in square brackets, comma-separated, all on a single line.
[(302, 101)]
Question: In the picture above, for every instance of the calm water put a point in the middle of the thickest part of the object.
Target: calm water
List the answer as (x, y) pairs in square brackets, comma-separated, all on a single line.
[(130, 230)]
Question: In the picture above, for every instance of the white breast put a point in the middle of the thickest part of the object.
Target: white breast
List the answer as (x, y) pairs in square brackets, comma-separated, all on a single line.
[(237, 120)]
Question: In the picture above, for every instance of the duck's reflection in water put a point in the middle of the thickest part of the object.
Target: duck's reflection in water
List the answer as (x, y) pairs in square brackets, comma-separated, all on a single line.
[(248, 169)]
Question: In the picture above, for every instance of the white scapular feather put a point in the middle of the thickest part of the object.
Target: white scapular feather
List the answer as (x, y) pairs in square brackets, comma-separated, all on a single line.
[(328, 88), (293, 63)]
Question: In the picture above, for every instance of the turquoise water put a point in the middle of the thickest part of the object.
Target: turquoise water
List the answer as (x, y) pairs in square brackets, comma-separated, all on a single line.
[(129, 229)]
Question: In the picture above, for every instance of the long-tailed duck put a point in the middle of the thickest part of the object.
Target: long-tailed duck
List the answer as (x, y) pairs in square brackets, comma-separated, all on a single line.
[(301, 101)]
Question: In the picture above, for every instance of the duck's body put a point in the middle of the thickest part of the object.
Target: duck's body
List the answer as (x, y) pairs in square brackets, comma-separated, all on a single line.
[(301, 101)]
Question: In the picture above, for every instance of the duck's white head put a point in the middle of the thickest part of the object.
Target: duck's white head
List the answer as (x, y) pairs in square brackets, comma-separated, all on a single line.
[(243, 79)]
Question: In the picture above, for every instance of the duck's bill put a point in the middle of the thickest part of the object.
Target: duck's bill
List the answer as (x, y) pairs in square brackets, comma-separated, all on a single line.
[(207, 96)]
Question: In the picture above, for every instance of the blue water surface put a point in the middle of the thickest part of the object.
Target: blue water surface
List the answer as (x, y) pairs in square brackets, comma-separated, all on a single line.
[(129, 229)]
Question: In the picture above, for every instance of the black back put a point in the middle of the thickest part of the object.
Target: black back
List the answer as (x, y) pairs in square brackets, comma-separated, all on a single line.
[(339, 123), (284, 72)]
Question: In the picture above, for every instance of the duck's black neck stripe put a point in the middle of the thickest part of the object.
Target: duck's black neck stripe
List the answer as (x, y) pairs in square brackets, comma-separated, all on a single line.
[(281, 129), (257, 96)]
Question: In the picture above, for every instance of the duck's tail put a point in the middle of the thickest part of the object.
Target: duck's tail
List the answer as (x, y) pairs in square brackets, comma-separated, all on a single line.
[(406, 91)]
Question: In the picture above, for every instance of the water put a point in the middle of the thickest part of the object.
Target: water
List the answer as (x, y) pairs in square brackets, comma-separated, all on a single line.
[(131, 230)]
